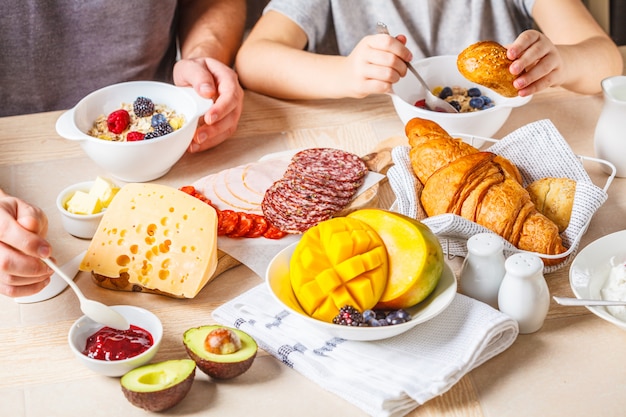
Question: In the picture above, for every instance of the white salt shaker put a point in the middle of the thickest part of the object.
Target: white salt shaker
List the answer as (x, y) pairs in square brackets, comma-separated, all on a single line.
[(524, 293), (483, 268)]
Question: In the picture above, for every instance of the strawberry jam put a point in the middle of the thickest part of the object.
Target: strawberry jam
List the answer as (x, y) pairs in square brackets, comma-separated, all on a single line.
[(109, 344)]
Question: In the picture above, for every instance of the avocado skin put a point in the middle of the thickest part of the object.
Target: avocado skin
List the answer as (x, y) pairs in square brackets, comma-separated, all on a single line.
[(159, 399), (217, 369)]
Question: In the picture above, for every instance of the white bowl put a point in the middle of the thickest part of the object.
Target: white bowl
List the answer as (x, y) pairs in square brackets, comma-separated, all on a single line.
[(80, 225), (279, 283), (590, 270), (442, 71), (85, 327), (139, 161)]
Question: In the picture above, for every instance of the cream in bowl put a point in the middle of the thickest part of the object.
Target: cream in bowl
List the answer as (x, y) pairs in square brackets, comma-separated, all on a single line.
[(82, 205), (113, 352), (134, 160), (441, 71)]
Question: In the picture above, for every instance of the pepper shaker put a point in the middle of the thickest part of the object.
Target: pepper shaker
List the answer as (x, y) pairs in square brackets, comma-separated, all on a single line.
[(524, 293), (483, 268)]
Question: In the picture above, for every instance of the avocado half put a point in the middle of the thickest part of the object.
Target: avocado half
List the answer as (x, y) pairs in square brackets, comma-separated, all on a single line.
[(220, 366), (159, 386)]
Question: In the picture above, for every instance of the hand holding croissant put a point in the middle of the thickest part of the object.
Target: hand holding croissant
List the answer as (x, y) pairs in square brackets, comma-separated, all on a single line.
[(480, 186)]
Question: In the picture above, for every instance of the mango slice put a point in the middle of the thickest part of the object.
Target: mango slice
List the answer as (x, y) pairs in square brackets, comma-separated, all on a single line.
[(340, 261), (415, 257)]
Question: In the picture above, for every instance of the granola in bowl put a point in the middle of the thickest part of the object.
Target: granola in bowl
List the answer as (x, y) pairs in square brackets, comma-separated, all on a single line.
[(140, 120)]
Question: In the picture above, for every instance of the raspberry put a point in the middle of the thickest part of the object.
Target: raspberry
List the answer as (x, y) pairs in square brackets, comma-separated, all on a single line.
[(118, 121), (143, 107), (134, 136)]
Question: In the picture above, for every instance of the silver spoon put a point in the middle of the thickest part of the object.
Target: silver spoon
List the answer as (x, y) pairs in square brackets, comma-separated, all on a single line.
[(433, 102), (95, 310), (567, 301)]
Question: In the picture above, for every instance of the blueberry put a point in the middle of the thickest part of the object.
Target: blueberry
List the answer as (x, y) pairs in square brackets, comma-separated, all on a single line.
[(157, 119), (455, 104), (474, 92), (369, 315), (477, 102), (382, 322), (403, 314), (445, 92), (373, 323), (486, 99)]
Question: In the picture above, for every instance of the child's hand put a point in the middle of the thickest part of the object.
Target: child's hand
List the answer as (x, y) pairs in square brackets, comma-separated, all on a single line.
[(375, 64), (537, 61)]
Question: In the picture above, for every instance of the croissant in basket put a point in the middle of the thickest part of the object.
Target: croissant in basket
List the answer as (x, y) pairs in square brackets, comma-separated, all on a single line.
[(480, 186)]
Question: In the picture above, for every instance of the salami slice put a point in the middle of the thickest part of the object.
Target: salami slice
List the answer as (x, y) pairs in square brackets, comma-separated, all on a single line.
[(259, 227), (228, 222), (330, 164), (244, 225)]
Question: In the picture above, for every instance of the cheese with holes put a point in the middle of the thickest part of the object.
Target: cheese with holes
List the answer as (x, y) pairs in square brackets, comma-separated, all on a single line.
[(159, 237)]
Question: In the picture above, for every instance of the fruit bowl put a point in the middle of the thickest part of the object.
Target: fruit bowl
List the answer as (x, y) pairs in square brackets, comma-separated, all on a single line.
[(137, 316), (442, 71), (143, 160), (590, 270), (279, 284)]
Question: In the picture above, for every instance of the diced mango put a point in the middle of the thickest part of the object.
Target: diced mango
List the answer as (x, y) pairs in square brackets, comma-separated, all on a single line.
[(338, 262)]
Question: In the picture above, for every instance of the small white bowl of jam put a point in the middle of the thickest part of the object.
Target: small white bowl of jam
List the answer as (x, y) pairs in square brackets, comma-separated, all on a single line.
[(114, 352)]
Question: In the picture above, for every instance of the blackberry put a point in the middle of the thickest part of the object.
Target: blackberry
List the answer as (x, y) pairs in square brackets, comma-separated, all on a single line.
[(163, 129), (348, 316), (143, 107)]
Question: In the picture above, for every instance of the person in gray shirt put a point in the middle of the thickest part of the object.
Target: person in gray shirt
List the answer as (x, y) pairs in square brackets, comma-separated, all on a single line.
[(53, 53), (310, 49)]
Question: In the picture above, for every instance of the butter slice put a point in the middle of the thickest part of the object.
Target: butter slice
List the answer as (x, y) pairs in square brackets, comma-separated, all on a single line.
[(104, 190), (163, 238), (83, 203)]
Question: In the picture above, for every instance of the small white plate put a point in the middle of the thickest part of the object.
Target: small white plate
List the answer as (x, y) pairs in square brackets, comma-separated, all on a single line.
[(279, 284), (591, 268)]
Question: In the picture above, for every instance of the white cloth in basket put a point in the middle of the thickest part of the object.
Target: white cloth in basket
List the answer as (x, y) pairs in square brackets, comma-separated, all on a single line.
[(539, 151), (388, 377)]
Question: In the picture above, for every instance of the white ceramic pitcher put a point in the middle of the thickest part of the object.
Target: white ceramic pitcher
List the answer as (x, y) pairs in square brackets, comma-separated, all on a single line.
[(610, 134)]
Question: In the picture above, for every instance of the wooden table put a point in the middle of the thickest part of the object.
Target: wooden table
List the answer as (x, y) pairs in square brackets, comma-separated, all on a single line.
[(571, 367)]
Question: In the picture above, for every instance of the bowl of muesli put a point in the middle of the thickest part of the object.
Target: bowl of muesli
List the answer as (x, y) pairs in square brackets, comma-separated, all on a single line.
[(482, 111), (135, 130)]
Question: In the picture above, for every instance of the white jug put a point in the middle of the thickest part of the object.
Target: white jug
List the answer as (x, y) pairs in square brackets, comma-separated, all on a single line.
[(610, 135)]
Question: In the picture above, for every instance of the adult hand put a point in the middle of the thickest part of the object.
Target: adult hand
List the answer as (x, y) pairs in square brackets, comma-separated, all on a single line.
[(22, 242), (536, 61), (375, 64), (212, 79)]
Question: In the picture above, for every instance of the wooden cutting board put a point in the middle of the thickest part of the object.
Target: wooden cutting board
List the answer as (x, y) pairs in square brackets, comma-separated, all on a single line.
[(377, 161)]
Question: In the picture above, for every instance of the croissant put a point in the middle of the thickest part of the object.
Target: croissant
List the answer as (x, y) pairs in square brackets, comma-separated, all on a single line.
[(480, 186)]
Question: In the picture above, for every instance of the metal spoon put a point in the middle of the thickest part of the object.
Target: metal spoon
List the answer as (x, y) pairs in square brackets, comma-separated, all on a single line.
[(567, 301), (95, 310), (433, 102)]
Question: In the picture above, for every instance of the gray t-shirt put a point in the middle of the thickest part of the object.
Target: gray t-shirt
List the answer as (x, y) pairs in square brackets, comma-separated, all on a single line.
[(433, 27), (52, 53)]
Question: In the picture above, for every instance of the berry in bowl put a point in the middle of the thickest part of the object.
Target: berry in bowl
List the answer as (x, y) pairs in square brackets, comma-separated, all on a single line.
[(357, 278), (482, 119), (114, 352), (136, 130)]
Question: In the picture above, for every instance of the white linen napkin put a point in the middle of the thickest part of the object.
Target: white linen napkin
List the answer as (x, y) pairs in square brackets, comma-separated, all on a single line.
[(388, 377)]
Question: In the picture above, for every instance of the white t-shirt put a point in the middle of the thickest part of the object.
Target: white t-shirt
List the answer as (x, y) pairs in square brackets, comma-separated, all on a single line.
[(433, 27)]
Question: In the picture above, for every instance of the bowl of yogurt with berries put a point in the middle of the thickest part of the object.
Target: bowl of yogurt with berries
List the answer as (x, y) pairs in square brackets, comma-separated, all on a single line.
[(136, 130)]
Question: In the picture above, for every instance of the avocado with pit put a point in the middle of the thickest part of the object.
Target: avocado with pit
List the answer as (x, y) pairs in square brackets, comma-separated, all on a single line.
[(159, 386), (220, 352)]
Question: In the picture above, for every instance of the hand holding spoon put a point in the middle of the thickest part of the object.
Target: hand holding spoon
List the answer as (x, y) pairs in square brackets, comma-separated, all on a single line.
[(95, 310), (433, 102)]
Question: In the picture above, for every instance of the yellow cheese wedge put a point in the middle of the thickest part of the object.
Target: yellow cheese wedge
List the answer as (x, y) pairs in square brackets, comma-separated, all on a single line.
[(162, 238)]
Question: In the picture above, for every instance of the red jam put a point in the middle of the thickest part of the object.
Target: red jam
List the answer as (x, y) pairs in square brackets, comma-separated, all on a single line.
[(109, 344)]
